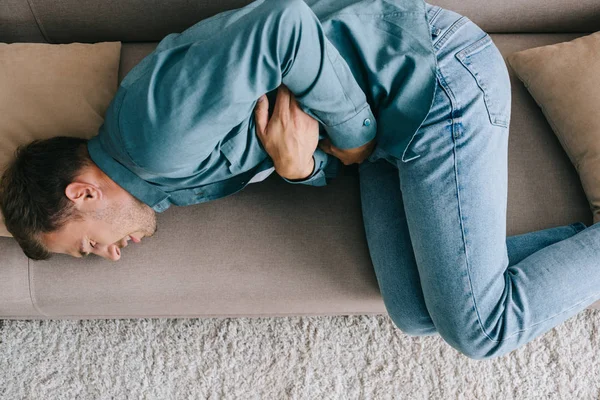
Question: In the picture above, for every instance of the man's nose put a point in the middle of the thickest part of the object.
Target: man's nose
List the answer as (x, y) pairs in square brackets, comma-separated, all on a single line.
[(110, 252)]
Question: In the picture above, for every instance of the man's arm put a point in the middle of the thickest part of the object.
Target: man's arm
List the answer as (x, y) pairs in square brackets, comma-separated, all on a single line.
[(210, 86), (290, 136)]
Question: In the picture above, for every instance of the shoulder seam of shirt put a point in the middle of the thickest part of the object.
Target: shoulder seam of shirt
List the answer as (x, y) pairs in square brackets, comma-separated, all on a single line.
[(120, 133), (336, 73)]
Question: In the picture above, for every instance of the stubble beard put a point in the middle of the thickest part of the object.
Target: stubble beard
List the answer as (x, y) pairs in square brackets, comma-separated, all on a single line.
[(129, 218)]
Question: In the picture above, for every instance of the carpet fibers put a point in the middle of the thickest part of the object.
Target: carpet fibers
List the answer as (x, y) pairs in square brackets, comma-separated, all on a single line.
[(356, 357)]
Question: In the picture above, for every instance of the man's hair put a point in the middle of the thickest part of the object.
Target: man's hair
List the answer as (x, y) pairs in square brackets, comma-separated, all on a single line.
[(32, 190)]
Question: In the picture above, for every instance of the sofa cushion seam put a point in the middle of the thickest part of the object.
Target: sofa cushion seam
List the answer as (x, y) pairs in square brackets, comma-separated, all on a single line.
[(38, 21), (30, 286)]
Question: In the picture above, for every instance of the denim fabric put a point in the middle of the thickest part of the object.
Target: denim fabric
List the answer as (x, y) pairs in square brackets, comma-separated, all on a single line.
[(436, 221)]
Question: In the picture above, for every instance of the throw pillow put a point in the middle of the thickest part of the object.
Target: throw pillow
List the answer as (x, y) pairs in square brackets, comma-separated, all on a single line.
[(564, 80)]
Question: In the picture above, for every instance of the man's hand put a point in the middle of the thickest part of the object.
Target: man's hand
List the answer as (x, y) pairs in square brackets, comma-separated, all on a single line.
[(290, 137), (348, 156)]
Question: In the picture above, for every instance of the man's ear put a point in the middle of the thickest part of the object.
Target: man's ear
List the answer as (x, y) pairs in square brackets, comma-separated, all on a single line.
[(84, 195)]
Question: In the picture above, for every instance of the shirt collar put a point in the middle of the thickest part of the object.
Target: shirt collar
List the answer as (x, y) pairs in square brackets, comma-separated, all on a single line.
[(136, 186)]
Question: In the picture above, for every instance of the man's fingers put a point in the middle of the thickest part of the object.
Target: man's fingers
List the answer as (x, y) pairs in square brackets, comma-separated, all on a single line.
[(325, 145), (282, 102), (293, 101), (329, 148), (261, 114)]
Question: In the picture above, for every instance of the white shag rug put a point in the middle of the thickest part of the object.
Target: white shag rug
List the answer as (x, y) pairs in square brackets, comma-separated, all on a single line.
[(356, 357)]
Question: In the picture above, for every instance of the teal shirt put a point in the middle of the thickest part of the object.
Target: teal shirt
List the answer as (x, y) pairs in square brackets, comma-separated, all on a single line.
[(180, 129)]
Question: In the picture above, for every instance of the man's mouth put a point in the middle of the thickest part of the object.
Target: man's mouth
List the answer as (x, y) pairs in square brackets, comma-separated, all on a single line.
[(125, 241), (135, 239)]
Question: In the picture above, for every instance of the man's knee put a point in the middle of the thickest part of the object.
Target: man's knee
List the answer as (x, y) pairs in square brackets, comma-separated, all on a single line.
[(476, 354), (412, 325), (474, 344)]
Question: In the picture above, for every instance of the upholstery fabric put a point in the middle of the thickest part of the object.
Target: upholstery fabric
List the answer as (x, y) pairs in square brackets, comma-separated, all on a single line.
[(259, 252), (65, 21), (231, 274), (18, 23), (15, 297), (170, 275)]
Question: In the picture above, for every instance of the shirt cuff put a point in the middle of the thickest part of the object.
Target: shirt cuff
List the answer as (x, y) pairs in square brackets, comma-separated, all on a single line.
[(317, 178), (354, 132)]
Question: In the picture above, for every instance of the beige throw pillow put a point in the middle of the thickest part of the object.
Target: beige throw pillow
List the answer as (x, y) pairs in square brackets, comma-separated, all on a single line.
[(564, 80), (49, 90)]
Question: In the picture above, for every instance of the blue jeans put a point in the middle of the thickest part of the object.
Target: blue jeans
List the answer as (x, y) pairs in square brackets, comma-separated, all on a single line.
[(436, 222)]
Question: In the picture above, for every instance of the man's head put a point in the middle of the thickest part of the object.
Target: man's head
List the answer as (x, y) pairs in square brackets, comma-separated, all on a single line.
[(56, 200)]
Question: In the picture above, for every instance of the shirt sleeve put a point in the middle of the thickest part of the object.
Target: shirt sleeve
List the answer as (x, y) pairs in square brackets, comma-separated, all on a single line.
[(317, 178), (282, 41), (205, 81), (326, 167)]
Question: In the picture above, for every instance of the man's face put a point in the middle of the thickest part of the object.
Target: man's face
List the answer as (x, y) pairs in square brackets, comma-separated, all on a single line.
[(111, 218)]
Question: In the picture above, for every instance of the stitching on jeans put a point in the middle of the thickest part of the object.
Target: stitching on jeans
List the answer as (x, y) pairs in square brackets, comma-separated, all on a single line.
[(593, 297), (464, 57), (454, 106), (453, 28), (435, 12)]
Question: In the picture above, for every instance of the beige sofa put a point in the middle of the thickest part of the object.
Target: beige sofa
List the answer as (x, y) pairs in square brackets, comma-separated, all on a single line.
[(273, 249)]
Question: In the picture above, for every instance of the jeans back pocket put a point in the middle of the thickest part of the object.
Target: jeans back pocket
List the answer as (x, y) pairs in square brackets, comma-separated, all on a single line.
[(484, 61)]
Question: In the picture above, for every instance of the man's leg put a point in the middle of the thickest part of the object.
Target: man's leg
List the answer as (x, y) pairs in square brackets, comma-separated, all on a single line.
[(392, 253), (454, 196), (390, 248)]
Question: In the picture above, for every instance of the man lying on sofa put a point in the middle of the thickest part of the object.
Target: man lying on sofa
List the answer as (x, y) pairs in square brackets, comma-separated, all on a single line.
[(186, 126)]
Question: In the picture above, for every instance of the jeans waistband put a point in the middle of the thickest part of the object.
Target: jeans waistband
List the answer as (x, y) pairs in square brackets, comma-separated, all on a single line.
[(445, 23)]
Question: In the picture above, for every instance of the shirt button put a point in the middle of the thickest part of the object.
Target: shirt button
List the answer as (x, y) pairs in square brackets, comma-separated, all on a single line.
[(367, 122)]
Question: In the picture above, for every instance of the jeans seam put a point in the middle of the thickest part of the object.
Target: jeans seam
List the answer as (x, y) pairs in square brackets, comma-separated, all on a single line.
[(454, 107), (434, 14), (455, 129), (594, 296), (464, 240), (449, 32)]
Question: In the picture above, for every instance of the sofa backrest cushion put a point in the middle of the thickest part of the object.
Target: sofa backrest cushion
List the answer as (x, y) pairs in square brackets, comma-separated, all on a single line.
[(66, 21)]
